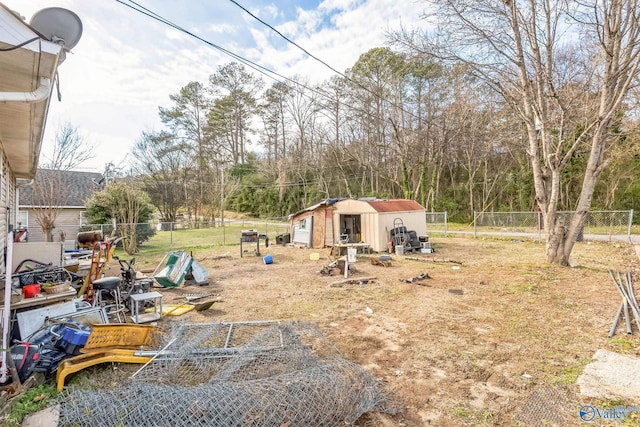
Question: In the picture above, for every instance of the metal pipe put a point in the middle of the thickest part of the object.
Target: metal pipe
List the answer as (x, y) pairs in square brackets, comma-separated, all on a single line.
[(621, 289), (627, 320), (632, 297), (226, 342), (615, 322), (154, 357), (6, 311)]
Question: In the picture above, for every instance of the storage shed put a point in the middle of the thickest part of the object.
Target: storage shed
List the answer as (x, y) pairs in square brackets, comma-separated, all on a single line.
[(356, 220)]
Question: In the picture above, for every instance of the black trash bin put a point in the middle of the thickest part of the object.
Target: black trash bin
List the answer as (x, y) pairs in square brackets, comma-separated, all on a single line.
[(283, 239)]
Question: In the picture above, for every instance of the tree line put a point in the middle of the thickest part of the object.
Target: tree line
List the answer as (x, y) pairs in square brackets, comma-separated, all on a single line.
[(503, 106), (397, 127)]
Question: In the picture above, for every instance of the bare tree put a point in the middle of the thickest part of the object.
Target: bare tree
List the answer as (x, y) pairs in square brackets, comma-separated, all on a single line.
[(46, 199), (160, 160), (70, 149), (49, 193), (566, 67)]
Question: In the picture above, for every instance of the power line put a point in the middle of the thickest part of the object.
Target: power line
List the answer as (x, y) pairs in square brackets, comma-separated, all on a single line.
[(320, 60), (257, 67)]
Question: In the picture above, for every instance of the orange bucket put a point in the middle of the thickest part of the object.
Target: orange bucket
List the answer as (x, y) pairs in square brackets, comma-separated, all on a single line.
[(31, 291)]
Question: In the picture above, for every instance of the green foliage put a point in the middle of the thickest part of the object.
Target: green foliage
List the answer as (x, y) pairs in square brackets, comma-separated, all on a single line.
[(129, 206), (33, 400)]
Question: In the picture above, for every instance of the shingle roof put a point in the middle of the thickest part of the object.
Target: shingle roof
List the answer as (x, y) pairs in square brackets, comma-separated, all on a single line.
[(77, 187)]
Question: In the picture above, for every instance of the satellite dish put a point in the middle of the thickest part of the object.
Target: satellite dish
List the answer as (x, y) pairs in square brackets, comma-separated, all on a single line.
[(58, 25)]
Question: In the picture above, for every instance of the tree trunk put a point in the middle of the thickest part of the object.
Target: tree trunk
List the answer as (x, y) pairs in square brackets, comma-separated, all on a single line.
[(556, 242)]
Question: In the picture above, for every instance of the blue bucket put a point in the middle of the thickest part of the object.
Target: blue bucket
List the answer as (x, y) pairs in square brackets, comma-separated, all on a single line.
[(268, 259)]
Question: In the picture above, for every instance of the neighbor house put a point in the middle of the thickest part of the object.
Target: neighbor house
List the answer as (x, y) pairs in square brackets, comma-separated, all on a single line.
[(61, 193), (356, 220), (28, 67)]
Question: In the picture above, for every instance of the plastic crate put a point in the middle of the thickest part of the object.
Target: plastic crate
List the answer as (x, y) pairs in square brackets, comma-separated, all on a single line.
[(53, 275)]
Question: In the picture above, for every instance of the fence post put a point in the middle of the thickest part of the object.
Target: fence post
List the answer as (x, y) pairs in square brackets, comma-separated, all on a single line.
[(539, 216), (630, 225), (445, 223), (171, 233), (474, 224)]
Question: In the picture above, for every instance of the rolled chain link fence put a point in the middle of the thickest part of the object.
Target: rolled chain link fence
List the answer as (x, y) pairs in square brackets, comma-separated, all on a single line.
[(235, 374)]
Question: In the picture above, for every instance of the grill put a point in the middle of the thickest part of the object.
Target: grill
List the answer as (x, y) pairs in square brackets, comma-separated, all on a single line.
[(252, 237)]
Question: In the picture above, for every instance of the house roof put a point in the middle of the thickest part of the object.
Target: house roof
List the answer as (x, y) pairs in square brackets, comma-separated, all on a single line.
[(28, 65), (395, 205), (76, 187)]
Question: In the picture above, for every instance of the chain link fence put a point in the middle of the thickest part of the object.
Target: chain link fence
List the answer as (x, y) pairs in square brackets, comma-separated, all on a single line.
[(437, 222), (599, 225), (221, 232)]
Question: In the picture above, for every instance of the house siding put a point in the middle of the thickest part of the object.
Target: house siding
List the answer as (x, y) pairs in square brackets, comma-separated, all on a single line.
[(7, 199), (67, 222)]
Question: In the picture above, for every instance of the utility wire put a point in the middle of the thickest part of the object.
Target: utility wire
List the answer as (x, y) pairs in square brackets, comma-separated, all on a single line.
[(257, 67), (18, 46), (320, 60)]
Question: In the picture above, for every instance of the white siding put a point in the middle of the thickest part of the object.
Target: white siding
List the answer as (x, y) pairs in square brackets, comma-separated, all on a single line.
[(7, 201), (67, 222)]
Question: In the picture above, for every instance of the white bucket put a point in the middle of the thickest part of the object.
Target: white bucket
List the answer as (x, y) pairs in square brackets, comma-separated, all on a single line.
[(352, 256), (399, 250)]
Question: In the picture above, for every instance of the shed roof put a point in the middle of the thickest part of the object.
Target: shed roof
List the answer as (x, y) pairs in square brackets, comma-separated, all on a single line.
[(325, 202), (395, 205)]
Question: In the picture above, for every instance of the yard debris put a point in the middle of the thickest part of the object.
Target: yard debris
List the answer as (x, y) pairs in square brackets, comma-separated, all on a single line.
[(336, 268), (456, 291), (359, 281), (262, 371), (629, 302), (417, 278), (216, 257), (382, 262), (438, 260), (195, 297)]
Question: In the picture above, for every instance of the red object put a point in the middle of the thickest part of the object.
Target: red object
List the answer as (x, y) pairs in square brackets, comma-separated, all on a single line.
[(31, 291)]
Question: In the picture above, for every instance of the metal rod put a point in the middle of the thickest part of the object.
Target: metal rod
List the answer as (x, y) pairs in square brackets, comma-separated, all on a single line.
[(613, 327), (153, 358), (623, 293), (632, 297), (226, 342), (210, 352), (627, 319)]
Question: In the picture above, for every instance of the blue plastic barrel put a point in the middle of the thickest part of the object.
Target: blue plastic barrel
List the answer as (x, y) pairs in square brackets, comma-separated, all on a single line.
[(268, 259)]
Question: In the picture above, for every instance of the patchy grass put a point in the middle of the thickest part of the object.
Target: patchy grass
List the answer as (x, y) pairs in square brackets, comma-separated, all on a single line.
[(31, 401), (470, 358)]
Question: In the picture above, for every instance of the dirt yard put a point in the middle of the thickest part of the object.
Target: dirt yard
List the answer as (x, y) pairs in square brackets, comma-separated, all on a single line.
[(494, 336)]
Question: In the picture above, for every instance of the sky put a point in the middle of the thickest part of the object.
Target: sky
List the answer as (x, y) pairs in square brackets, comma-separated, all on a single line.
[(126, 64)]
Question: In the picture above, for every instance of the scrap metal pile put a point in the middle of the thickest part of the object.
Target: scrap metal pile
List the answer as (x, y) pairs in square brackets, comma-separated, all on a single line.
[(235, 374), (629, 303)]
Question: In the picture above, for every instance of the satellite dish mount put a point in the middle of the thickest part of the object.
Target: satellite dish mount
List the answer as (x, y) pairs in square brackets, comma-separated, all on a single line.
[(58, 25)]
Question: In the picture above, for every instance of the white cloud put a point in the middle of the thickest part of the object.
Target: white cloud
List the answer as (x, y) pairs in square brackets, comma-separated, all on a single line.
[(126, 64)]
